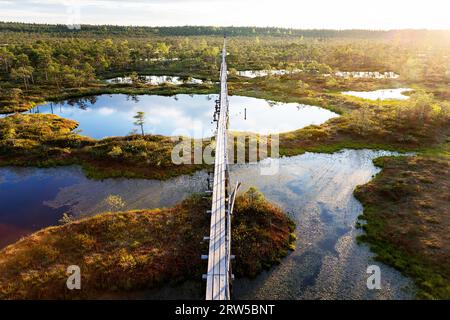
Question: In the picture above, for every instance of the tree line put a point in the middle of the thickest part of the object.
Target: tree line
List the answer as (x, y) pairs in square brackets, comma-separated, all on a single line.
[(141, 31), (65, 61)]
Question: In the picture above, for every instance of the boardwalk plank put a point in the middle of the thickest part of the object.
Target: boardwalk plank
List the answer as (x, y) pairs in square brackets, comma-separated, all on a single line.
[(218, 273)]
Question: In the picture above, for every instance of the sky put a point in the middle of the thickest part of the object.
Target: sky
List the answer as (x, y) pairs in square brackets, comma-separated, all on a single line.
[(311, 14)]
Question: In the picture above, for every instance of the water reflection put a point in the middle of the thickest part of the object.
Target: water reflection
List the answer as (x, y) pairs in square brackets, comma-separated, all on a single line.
[(265, 73), (157, 80), (316, 190), (27, 207), (367, 75), (188, 115), (22, 199), (384, 94), (340, 74)]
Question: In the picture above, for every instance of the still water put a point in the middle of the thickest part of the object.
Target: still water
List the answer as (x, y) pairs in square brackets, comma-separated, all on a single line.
[(316, 190), (341, 74), (367, 74), (157, 80), (384, 94), (27, 206), (188, 115), (264, 73)]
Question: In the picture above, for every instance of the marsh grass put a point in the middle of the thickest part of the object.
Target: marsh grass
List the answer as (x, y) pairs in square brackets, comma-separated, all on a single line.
[(142, 249), (407, 211)]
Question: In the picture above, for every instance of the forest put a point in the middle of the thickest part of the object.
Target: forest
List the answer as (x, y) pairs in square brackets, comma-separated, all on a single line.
[(136, 31), (45, 55)]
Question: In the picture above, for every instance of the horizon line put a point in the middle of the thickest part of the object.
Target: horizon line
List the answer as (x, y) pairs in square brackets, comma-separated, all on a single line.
[(223, 26)]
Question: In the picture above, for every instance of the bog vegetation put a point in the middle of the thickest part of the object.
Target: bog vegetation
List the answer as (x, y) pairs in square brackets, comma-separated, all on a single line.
[(407, 210), (139, 250), (49, 63)]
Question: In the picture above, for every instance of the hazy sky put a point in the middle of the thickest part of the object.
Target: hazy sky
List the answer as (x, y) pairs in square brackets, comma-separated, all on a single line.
[(336, 14)]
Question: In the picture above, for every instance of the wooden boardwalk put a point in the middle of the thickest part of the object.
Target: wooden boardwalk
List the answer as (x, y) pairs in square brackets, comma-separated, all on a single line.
[(218, 275)]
